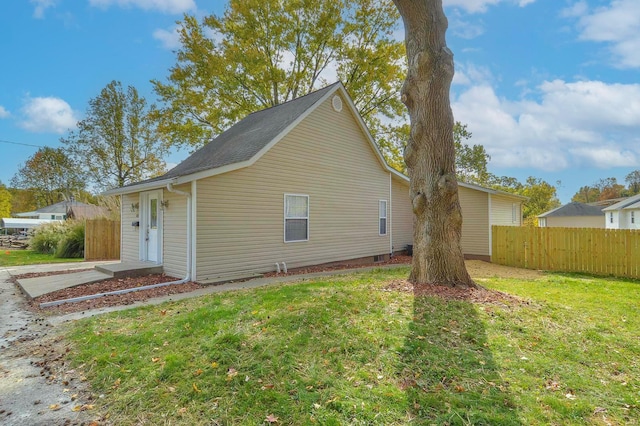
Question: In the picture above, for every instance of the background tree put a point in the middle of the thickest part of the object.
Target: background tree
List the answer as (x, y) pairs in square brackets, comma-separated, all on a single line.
[(471, 161), (609, 188), (261, 53), (633, 182), (117, 143), (50, 176), (586, 194), (430, 151), (5, 201)]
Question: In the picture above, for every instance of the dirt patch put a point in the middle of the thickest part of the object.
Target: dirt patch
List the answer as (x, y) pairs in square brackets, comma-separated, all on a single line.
[(480, 269), (113, 300)]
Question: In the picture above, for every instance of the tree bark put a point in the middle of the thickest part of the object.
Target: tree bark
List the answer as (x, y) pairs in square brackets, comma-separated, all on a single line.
[(429, 154)]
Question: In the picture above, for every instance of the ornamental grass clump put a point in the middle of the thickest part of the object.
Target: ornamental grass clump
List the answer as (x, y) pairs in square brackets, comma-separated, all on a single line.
[(62, 239)]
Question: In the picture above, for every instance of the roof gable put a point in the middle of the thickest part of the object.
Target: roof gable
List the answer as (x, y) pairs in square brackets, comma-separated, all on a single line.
[(624, 203)]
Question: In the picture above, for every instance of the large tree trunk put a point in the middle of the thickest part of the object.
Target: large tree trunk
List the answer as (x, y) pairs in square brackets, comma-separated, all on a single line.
[(430, 155)]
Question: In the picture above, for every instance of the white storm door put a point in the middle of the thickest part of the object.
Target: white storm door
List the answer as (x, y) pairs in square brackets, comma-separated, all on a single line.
[(152, 232)]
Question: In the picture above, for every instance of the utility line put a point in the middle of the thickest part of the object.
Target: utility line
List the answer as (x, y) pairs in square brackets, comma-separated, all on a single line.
[(22, 143)]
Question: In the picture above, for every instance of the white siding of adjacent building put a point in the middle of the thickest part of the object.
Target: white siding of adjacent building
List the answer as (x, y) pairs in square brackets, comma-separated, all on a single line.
[(241, 213)]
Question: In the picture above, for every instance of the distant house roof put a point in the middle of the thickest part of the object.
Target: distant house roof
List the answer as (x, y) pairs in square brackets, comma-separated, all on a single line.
[(574, 209), (624, 204), (60, 208)]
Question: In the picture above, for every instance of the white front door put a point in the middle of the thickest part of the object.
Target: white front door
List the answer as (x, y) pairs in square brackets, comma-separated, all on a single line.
[(151, 227)]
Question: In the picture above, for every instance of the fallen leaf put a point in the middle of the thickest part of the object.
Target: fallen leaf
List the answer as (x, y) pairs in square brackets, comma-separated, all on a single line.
[(198, 372), (195, 388), (76, 408), (599, 410), (182, 410), (570, 396), (154, 359), (116, 384), (54, 407), (214, 364), (163, 312), (459, 388), (271, 419), (171, 389)]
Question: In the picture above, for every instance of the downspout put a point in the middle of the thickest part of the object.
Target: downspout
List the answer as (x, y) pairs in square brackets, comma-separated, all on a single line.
[(390, 216), (187, 277)]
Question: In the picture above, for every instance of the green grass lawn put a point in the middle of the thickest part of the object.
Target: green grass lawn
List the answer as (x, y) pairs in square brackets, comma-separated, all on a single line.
[(29, 257), (345, 351)]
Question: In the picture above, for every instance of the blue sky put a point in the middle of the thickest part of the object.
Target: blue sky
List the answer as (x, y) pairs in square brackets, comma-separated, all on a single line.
[(550, 87)]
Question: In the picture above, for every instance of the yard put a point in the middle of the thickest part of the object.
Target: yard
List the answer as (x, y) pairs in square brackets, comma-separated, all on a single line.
[(362, 349), (29, 257)]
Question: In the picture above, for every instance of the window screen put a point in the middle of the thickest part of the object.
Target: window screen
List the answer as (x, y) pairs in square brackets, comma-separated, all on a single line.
[(382, 214), (296, 218)]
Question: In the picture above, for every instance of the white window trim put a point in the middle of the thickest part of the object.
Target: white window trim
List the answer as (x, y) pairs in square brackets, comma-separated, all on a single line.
[(385, 217), (514, 213), (633, 217), (284, 217)]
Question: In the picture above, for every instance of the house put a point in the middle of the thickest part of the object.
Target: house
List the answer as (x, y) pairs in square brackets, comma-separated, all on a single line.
[(301, 183), (57, 211), (573, 215), (624, 214)]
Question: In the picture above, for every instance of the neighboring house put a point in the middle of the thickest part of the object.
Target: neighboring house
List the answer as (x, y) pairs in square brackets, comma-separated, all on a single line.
[(301, 183), (573, 215), (57, 211), (624, 214), (86, 211)]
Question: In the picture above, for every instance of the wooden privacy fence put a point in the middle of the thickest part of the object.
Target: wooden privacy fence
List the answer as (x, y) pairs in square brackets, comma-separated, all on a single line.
[(589, 250), (101, 239)]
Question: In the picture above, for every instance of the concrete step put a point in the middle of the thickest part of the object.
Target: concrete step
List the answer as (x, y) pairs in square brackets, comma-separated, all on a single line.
[(130, 269)]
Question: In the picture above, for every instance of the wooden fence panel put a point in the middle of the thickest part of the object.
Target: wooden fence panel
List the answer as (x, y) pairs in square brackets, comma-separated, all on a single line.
[(101, 239), (587, 250)]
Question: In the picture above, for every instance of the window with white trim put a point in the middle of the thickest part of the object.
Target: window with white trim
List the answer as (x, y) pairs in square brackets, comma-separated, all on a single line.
[(296, 218), (382, 217), (633, 218), (514, 213), (610, 217)]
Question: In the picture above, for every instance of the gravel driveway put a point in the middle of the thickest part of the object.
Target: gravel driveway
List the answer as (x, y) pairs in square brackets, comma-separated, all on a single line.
[(35, 388)]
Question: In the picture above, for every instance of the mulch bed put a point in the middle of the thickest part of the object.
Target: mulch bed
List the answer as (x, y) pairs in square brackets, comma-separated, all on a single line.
[(475, 295), (46, 274), (114, 300)]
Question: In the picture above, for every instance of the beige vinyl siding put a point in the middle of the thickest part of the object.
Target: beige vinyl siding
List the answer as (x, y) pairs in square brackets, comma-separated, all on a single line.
[(475, 221), (130, 241), (326, 156), (402, 215), (576, 221), (502, 211), (174, 232)]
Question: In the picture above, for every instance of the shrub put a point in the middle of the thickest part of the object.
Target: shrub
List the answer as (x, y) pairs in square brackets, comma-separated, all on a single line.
[(72, 244), (46, 237), (60, 239)]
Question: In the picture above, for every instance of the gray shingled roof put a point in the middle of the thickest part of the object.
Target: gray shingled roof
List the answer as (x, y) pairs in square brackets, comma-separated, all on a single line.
[(574, 209), (246, 138)]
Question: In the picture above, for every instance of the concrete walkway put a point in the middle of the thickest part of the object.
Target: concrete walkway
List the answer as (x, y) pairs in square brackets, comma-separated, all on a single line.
[(213, 289)]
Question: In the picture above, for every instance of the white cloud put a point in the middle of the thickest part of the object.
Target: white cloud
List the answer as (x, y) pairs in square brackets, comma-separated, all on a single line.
[(585, 123), (41, 7), (4, 113), (170, 38), (480, 6), (47, 115), (165, 6), (617, 24)]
